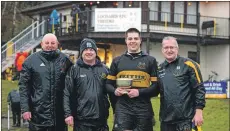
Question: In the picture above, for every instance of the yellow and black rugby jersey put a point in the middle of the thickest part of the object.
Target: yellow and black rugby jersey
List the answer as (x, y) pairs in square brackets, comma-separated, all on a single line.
[(142, 69)]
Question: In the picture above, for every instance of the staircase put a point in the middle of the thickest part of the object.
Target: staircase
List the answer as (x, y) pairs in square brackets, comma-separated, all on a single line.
[(26, 40)]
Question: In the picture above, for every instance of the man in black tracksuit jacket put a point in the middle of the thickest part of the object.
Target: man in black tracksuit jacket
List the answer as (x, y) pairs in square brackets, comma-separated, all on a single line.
[(182, 94), (86, 103), (41, 85)]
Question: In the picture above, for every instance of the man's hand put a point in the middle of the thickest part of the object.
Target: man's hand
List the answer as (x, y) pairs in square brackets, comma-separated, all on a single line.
[(26, 116), (120, 91), (133, 93), (198, 118), (69, 120)]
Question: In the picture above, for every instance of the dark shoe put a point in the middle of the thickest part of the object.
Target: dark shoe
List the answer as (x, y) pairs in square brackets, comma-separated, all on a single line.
[(26, 124), (18, 125)]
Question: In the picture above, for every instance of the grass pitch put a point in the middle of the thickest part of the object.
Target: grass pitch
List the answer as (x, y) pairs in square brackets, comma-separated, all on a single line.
[(216, 112)]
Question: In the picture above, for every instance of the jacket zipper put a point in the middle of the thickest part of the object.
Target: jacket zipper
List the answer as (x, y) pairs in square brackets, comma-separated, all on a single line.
[(53, 91)]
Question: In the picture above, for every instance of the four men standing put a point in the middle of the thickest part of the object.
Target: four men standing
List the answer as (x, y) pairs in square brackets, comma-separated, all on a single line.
[(50, 89)]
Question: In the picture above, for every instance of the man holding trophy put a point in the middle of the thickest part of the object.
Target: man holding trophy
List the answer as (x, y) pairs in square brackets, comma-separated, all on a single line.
[(133, 79)]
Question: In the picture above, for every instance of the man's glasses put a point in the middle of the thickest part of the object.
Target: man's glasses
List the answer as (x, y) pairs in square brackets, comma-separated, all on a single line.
[(170, 47)]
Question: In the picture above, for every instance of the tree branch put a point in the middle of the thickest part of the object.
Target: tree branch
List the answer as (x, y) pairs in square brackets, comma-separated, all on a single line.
[(4, 8)]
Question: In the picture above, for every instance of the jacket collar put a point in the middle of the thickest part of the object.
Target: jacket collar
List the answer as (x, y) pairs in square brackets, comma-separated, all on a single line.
[(140, 54), (50, 55), (166, 63)]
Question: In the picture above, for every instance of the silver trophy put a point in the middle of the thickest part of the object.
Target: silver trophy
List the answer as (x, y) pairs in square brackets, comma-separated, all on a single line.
[(124, 83)]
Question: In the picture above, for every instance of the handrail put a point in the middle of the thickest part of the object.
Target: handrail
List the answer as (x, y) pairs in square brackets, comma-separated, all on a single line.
[(171, 13), (26, 40), (13, 55), (19, 34), (22, 37), (16, 41)]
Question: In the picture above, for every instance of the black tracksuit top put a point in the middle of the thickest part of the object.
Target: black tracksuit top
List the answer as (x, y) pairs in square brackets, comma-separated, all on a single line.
[(181, 90)]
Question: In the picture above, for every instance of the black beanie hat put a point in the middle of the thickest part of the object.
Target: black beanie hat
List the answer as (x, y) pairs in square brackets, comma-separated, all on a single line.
[(88, 43)]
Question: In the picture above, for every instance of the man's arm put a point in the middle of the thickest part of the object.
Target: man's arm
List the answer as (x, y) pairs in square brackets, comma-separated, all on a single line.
[(68, 64), (196, 79), (16, 59), (111, 78), (24, 91), (199, 92), (153, 90), (69, 83), (113, 100), (110, 85)]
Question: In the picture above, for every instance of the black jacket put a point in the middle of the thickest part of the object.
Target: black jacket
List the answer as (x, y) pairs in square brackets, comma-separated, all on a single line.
[(41, 85), (75, 9), (13, 96), (181, 90), (85, 96)]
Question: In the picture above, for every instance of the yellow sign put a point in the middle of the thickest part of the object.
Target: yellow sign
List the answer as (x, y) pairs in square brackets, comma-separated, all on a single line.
[(9, 50)]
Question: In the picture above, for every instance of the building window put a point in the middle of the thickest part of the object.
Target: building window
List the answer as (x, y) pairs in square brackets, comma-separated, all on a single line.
[(191, 12), (179, 12), (165, 11), (192, 55), (153, 6), (175, 12)]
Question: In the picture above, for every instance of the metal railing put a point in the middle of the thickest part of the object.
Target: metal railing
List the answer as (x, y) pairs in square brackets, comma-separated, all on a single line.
[(177, 23), (13, 40), (165, 22), (188, 24), (67, 24), (29, 28), (220, 29), (26, 42)]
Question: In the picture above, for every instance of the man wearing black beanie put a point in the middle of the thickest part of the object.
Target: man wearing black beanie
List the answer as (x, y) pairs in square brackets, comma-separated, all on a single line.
[(88, 43), (85, 99)]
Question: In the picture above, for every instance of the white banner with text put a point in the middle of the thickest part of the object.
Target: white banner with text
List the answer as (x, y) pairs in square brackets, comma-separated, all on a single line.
[(117, 19)]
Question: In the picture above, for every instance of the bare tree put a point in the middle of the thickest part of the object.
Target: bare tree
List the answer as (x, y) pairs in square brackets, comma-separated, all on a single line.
[(14, 17), (4, 8), (12, 20)]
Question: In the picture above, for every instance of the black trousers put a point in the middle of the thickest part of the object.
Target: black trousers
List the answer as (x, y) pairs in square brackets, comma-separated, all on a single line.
[(36, 128), (33, 127), (16, 118), (16, 113), (80, 127), (124, 121), (180, 126)]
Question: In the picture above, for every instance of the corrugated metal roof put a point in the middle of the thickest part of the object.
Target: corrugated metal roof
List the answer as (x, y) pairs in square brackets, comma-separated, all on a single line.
[(45, 5)]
